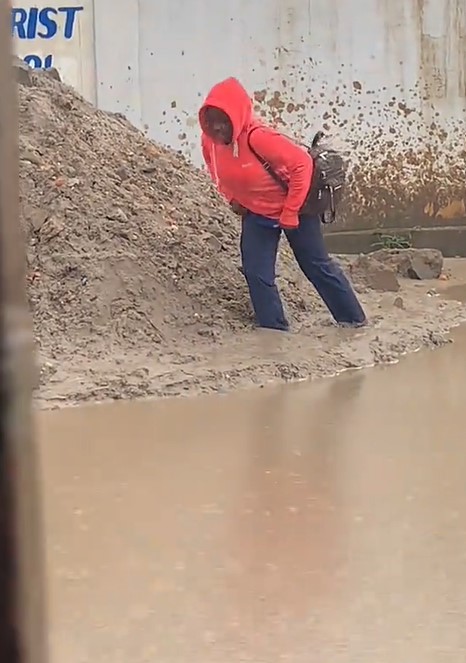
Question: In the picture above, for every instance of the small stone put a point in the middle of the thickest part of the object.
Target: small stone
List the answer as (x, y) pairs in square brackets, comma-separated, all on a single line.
[(52, 227), (149, 169), (399, 303), (37, 218), (215, 243), (32, 157), (52, 73), (122, 173), (117, 215)]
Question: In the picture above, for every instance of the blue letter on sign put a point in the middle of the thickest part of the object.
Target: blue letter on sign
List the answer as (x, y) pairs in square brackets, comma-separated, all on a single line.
[(18, 20), (70, 19), (48, 22)]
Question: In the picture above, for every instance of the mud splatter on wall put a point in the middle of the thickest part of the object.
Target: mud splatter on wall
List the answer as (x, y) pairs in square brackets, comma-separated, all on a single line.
[(388, 76)]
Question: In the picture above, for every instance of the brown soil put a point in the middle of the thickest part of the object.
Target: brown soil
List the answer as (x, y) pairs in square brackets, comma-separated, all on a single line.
[(134, 277)]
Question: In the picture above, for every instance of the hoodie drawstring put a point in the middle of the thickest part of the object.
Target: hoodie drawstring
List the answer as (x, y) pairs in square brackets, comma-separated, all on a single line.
[(213, 158)]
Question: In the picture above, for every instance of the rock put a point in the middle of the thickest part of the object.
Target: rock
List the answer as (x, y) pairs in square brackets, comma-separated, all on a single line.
[(422, 270), (214, 242), (117, 215), (31, 157), (419, 264), (122, 173), (368, 271), (399, 303), (51, 228), (52, 73), (22, 72), (150, 169), (37, 218)]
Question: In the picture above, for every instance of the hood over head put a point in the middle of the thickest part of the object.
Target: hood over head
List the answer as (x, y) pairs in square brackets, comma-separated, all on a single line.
[(230, 97)]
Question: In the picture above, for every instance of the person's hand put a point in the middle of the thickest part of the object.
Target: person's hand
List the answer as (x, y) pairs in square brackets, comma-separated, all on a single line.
[(238, 209), (289, 221)]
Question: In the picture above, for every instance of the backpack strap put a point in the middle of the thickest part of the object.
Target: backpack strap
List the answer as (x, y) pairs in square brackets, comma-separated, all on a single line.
[(267, 167), (265, 164)]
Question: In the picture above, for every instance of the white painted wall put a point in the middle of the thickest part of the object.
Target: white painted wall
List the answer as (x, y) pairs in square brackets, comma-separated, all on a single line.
[(389, 75), (308, 52)]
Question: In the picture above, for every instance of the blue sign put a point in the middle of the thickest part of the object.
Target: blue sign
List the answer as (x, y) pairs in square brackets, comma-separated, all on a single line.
[(45, 23)]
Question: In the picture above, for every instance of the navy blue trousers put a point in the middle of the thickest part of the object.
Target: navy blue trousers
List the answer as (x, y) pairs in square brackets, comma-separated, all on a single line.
[(259, 246)]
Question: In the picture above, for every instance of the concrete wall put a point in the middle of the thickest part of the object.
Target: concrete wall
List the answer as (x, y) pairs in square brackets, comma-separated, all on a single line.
[(388, 75)]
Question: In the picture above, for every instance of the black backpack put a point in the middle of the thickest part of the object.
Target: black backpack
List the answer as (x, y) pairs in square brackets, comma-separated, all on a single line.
[(328, 179)]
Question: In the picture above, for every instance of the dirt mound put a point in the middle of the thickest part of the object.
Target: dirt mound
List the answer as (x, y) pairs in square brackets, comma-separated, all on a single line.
[(125, 238)]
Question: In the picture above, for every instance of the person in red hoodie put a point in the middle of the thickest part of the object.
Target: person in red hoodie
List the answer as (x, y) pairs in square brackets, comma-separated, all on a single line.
[(229, 131)]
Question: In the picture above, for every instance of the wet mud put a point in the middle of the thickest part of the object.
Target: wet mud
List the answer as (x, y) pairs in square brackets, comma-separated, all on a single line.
[(192, 364)]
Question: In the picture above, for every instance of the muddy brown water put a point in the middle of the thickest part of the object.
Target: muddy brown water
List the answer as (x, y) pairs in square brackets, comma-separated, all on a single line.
[(311, 523)]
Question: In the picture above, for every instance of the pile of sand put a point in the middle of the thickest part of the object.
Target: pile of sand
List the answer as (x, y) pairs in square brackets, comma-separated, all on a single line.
[(133, 265)]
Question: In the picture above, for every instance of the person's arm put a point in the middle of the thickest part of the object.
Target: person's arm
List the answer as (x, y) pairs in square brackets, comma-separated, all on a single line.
[(209, 158), (281, 152)]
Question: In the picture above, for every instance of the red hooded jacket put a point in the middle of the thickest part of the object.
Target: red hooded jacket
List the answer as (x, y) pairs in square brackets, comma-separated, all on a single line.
[(236, 171)]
